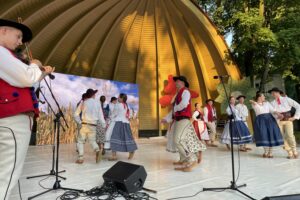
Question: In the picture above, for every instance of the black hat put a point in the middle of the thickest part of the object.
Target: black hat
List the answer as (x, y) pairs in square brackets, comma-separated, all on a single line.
[(182, 78), (240, 96), (275, 89), (83, 97), (208, 100), (27, 34), (113, 99), (90, 92)]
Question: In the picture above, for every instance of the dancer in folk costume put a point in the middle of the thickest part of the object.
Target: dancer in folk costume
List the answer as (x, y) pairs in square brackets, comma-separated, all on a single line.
[(18, 103), (167, 100), (110, 108), (171, 146), (91, 112), (111, 122), (83, 98), (283, 105), (243, 113), (200, 125), (266, 131), (240, 132), (187, 143), (121, 139), (210, 118), (100, 130)]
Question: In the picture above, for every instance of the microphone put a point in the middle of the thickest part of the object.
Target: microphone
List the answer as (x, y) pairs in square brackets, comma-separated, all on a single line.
[(221, 76), (51, 76)]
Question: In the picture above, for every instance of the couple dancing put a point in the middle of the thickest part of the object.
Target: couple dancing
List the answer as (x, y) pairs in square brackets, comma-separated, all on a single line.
[(188, 145)]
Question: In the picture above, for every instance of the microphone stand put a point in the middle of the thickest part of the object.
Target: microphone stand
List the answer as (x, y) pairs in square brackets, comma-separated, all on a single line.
[(233, 185), (57, 125), (52, 171)]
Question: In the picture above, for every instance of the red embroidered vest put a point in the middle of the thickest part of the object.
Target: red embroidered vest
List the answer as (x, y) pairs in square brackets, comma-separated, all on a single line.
[(15, 100), (187, 111)]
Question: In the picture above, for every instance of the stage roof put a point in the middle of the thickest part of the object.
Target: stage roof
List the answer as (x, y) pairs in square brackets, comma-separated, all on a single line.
[(137, 41)]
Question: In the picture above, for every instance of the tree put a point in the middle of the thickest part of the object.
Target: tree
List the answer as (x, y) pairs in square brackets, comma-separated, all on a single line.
[(265, 34)]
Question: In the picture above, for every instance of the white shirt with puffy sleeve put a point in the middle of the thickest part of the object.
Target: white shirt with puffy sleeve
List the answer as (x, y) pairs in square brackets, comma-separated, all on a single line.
[(263, 108), (243, 111), (17, 73), (286, 105)]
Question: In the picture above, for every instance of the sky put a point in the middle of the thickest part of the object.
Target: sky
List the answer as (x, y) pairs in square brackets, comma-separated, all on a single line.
[(69, 89), (228, 39)]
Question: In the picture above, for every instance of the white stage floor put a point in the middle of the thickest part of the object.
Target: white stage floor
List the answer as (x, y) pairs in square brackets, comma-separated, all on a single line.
[(264, 177)]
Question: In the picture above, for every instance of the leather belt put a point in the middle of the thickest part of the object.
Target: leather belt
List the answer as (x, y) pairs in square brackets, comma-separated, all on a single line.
[(180, 118), (89, 124)]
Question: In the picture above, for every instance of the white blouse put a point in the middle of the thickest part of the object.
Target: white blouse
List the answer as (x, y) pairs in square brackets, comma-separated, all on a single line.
[(195, 115), (235, 111), (242, 111), (111, 110), (263, 108), (119, 113)]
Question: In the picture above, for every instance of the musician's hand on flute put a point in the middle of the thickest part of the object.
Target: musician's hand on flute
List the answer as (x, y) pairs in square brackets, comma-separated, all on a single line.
[(48, 69), (37, 62)]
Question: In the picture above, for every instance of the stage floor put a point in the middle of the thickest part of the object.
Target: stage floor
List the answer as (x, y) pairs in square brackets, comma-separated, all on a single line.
[(264, 177)]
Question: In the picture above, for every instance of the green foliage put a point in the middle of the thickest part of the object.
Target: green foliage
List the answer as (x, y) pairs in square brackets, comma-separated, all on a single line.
[(265, 34), (235, 88)]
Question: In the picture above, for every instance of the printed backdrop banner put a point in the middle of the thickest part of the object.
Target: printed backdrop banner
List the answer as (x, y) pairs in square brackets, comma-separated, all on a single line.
[(68, 90)]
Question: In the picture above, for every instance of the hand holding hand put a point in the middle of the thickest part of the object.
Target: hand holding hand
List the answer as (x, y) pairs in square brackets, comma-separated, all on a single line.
[(37, 62), (279, 116), (292, 119)]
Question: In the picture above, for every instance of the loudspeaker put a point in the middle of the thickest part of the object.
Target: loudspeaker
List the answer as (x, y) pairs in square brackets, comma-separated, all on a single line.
[(285, 197), (127, 177)]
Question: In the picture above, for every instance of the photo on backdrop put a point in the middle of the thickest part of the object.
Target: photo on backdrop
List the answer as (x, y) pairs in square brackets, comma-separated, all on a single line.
[(68, 90)]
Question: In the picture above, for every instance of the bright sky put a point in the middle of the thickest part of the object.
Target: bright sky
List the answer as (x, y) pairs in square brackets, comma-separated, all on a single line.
[(228, 39)]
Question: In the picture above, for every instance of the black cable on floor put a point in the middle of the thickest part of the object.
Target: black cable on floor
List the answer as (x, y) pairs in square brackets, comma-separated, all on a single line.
[(40, 183), (185, 197), (108, 191)]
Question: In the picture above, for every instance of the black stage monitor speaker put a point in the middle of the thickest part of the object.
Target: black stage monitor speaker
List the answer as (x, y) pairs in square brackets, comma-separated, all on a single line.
[(286, 197), (126, 176)]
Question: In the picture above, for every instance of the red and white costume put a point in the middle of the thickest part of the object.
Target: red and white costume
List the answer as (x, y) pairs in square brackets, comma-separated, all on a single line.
[(185, 138), (17, 107), (200, 126)]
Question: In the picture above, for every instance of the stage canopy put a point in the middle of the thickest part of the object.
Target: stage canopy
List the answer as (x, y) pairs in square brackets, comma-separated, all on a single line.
[(136, 41)]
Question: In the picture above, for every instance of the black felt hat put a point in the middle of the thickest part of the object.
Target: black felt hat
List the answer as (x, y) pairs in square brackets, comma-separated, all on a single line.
[(275, 89), (240, 96), (27, 34), (182, 78), (90, 92), (208, 100)]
